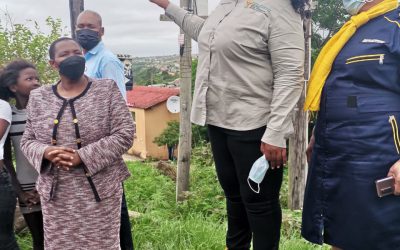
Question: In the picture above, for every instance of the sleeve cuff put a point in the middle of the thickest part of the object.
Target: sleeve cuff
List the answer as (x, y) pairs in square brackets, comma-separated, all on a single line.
[(176, 13), (274, 138), (44, 164), (86, 161)]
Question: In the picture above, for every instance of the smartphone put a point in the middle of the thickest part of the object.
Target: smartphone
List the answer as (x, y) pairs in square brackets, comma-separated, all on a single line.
[(385, 186)]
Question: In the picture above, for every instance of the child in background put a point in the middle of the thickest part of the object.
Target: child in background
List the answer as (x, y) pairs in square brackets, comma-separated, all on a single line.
[(17, 80)]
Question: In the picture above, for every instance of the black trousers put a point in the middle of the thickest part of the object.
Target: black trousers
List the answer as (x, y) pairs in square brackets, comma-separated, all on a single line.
[(35, 224), (8, 201), (250, 215), (125, 234)]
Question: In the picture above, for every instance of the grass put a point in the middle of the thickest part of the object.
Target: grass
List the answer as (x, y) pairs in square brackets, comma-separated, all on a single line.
[(196, 224), (163, 224), (24, 240)]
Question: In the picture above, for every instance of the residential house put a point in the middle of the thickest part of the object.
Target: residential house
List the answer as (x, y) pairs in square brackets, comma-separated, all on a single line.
[(149, 110)]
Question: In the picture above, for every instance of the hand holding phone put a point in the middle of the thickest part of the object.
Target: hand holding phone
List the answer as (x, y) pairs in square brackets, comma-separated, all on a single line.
[(395, 172), (385, 186)]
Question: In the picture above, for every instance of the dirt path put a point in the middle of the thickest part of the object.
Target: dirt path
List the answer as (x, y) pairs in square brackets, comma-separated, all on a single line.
[(128, 157)]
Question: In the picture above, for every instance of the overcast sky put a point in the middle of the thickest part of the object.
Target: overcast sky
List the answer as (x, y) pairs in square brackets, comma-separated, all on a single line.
[(131, 26)]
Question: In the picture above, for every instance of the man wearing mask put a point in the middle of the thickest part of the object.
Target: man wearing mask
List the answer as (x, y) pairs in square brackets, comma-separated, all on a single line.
[(102, 63)]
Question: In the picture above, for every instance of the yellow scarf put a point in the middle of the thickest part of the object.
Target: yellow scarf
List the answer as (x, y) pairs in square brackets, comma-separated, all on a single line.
[(323, 65)]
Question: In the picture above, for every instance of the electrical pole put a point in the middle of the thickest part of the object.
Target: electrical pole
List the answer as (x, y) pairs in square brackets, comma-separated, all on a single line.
[(185, 128), (75, 7), (298, 167)]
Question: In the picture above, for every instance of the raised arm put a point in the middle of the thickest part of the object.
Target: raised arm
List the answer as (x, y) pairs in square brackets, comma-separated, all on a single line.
[(189, 23)]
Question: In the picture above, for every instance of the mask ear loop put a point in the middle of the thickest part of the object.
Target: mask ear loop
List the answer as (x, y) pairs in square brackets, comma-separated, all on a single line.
[(258, 184)]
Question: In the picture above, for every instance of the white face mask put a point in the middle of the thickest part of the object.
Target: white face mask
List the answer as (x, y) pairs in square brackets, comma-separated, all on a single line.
[(257, 172), (354, 6)]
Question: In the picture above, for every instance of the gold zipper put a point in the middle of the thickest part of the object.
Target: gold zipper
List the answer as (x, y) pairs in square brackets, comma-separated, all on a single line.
[(364, 58), (395, 129)]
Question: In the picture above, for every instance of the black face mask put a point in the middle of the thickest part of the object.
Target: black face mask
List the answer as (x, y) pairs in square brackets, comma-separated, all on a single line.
[(87, 38), (73, 67)]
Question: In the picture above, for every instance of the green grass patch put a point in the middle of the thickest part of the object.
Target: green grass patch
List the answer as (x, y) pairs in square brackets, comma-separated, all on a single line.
[(195, 224), (24, 239)]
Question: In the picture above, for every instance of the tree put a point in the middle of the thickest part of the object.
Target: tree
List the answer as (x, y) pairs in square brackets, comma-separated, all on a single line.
[(170, 136), (327, 19), (18, 41)]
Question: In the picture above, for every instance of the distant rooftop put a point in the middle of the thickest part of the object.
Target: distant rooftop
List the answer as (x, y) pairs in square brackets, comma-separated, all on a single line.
[(145, 97), (124, 56)]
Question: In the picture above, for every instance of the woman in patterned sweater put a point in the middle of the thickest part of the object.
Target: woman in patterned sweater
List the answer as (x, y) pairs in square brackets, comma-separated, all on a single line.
[(76, 133)]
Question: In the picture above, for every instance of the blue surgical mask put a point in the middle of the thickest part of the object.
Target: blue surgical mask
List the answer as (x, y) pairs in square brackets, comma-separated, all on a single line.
[(354, 6), (257, 172)]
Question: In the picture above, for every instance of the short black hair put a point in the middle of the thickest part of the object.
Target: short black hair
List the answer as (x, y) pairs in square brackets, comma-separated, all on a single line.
[(52, 49), (9, 76)]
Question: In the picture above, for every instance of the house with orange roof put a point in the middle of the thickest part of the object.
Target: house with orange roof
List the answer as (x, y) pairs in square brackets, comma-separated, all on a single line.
[(149, 110)]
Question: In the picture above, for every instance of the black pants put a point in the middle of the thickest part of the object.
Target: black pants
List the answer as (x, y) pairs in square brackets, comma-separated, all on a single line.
[(8, 201), (126, 241), (250, 215), (35, 224)]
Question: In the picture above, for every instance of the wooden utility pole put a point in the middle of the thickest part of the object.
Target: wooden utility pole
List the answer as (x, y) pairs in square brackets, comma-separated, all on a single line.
[(298, 144), (75, 7), (185, 128)]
